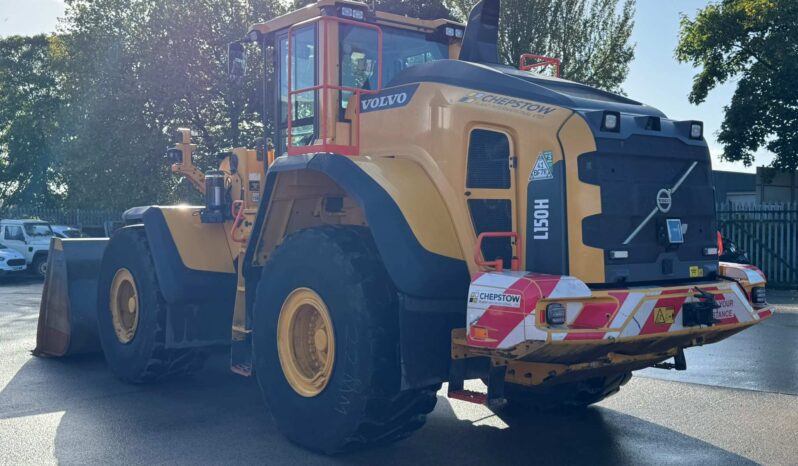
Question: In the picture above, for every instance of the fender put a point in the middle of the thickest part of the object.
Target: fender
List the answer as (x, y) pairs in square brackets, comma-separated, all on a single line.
[(200, 302), (414, 270), (179, 283)]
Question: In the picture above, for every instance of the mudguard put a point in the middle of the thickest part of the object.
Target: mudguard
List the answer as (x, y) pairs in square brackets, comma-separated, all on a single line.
[(414, 270), (200, 302)]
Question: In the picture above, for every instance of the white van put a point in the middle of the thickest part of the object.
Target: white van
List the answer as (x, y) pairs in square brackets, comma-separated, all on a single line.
[(31, 238)]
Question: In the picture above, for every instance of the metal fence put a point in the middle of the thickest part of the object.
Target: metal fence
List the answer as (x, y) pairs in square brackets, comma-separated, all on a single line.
[(85, 219), (768, 233)]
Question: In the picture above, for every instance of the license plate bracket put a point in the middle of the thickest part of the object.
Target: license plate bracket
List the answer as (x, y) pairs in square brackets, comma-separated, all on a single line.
[(699, 313)]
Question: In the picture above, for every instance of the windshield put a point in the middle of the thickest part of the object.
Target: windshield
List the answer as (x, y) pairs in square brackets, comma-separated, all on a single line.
[(38, 229)]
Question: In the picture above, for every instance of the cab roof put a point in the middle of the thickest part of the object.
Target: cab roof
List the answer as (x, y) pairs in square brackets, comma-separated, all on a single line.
[(380, 17)]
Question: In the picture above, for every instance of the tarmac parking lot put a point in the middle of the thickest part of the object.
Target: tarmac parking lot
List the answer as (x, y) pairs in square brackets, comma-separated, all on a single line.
[(736, 404)]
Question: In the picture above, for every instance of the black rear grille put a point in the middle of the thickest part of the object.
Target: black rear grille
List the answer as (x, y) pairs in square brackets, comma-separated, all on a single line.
[(488, 160), (15, 262), (630, 173)]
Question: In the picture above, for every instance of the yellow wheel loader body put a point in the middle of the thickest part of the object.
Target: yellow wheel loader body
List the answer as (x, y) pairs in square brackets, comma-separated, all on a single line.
[(421, 214)]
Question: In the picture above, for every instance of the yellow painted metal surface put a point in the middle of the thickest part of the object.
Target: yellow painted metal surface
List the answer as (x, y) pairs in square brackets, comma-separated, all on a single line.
[(433, 131), (418, 199), (201, 246), (584, 200)]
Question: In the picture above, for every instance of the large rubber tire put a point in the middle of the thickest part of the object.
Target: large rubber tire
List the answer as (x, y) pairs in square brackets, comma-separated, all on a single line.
[(145, 358), (362, 403), (565, 396)]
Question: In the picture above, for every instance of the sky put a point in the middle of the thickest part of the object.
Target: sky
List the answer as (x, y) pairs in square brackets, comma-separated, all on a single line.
[(655, 77)]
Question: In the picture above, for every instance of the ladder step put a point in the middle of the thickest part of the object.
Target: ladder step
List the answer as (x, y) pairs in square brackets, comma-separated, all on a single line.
[(469, 396), (242, 369)]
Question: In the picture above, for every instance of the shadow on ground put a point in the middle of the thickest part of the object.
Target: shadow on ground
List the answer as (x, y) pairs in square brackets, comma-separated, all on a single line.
[(219, 418)]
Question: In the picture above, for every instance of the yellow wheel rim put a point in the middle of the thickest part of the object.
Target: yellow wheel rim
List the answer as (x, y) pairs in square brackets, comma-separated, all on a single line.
[(124, 305), (305, 342)]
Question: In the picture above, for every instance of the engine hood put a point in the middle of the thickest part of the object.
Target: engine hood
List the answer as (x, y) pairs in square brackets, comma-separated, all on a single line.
[(10, 254)]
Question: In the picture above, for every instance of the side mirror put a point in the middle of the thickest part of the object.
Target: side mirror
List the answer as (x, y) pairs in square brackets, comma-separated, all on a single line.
[(236, 62)]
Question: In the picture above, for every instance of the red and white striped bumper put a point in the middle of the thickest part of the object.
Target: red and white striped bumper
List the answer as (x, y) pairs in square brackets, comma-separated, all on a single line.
[(507, 309)]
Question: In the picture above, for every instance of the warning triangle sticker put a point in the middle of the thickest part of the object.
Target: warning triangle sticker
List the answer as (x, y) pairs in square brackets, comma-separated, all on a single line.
[(663, 315), (542, 168)]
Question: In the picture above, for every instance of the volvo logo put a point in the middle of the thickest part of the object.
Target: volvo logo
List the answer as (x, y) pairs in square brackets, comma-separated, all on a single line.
[(388, 99), (664, 200)]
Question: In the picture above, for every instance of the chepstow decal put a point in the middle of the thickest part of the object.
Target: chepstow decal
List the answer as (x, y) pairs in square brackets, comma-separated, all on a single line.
[(508, 104), (495, 299), (389, 98)]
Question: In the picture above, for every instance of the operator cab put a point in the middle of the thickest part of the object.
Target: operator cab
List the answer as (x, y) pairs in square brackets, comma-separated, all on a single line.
[(339, 52)]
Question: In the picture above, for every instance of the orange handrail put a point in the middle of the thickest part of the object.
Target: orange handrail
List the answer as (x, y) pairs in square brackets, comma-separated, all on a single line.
[(540, 61), (498, 264)]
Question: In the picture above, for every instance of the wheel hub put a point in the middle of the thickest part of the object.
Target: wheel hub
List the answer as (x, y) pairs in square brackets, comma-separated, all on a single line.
[(306, 342), (124, 305)]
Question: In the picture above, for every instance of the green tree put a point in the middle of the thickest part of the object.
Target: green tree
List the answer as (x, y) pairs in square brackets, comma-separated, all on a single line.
[(29, 103), (135, 71), (754, 43), (590, 37)]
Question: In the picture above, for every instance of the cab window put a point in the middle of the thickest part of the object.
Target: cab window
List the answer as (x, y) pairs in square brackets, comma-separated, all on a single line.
[(304, 75), (14, 233), (38, 229)]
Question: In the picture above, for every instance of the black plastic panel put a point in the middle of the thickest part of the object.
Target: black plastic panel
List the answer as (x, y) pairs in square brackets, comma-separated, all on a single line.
[(630, 173), (493, 215)]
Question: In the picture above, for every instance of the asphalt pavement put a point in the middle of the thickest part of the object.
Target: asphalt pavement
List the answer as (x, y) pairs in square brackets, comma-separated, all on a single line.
[(736, 404)]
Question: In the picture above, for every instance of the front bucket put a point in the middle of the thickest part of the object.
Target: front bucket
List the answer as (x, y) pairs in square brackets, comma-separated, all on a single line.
[(68, 312)]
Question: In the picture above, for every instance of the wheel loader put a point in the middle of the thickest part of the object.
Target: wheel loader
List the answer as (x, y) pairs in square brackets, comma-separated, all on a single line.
[(423, 214)]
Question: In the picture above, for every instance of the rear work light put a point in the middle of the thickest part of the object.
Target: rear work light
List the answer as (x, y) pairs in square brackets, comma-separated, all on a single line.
[(611, 121), (696, 130), (555, 314), (354, 13)]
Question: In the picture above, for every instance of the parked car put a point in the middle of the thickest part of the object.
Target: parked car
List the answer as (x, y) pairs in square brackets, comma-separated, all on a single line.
[(31, 238), (11, 262), (63, 231)]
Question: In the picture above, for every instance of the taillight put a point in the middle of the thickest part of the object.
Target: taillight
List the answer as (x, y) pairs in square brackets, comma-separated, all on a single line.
[(555, 314), (759, 296)]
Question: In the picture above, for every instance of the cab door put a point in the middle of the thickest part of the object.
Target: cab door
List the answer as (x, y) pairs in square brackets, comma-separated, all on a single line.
[(491, 189), (14, 238), (300, 105)]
